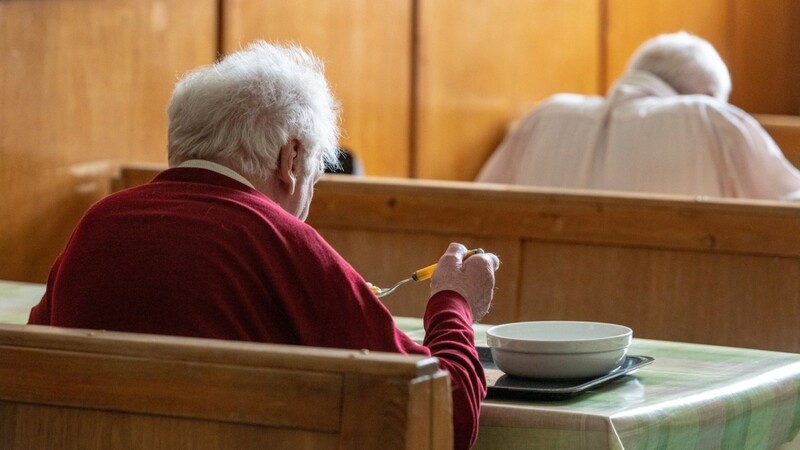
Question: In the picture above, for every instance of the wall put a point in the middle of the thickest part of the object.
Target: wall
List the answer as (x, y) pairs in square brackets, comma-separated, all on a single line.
[(483, 63), (83, 86), (366, 45), (428, 87)]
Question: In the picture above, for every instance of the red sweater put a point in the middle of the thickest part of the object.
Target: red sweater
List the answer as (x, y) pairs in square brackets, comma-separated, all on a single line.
[(196, 253)]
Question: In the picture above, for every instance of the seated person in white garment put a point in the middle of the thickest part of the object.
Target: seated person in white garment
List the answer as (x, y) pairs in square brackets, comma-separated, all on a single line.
[(665, 127)]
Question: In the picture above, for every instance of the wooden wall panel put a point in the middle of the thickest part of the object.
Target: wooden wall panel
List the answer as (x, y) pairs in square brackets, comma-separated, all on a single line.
[(367, 48), (483, 63), (765, 64), (88, 88), (83, 86), (631, 22), (667, 293)]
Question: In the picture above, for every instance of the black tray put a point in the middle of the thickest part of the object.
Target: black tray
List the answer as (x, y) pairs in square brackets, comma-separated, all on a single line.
[(503, 386)]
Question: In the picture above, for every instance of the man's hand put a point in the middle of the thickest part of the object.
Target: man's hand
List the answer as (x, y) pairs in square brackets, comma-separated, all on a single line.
[(473, 277)]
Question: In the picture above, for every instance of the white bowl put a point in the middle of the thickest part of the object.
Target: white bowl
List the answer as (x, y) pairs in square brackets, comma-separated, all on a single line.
[(558, 349)]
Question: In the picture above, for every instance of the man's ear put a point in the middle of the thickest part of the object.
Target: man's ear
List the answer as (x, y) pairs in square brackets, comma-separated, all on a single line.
[(289, 163)]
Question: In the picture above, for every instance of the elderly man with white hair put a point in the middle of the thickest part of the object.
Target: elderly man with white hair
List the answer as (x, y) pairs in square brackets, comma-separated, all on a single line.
[(215, 246), (664, 127)]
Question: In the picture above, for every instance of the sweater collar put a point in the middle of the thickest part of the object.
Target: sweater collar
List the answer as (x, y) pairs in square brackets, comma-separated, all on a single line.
[(218, 168)]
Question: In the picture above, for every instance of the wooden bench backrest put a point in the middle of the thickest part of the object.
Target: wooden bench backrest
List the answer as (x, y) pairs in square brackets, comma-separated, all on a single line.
[(84, 389)]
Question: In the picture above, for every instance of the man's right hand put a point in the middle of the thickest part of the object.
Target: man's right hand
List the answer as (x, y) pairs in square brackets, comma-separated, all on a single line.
[(472, 277)]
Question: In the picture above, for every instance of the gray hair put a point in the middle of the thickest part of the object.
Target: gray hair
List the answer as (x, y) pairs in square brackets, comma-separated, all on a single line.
[(245, 107), (686, 62)]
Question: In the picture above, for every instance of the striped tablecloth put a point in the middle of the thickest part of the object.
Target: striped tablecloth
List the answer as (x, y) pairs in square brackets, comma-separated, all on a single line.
[(17, 299), (691, 397)]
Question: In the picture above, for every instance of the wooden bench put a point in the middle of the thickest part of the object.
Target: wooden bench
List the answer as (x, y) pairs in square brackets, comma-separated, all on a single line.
[(82, 389), (675, 268), (714, 271)]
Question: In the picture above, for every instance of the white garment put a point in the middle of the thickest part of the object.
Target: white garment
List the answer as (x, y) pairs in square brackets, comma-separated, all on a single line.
[(644, 137)]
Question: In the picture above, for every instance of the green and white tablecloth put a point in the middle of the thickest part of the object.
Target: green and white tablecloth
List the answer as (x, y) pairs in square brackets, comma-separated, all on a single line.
[(691, 397), (17, 299)]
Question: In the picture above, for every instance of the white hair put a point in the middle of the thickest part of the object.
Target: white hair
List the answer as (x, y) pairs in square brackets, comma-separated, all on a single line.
[(686, 62), (245, 107)]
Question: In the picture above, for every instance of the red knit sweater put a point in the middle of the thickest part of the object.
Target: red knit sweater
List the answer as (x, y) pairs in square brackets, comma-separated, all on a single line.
[(196, 253)]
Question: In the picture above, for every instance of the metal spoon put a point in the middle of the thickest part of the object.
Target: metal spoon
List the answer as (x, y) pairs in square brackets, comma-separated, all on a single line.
[(419, 275)]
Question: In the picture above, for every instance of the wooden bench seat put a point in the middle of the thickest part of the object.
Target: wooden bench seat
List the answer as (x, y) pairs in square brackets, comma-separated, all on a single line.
[(83, 389)]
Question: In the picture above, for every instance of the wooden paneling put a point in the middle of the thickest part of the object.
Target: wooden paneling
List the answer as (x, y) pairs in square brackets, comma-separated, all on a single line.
[(631, 22), (765, 65), (713, 298), (552, 214), (367, 48), (483, 63), (428, 87), (83, 86)]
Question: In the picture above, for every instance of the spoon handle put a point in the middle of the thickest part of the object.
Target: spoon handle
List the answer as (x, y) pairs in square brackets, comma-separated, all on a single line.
[(427, 272)]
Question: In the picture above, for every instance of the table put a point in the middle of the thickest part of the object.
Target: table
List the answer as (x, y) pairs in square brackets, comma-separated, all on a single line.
[(16, 300), (692, 397)]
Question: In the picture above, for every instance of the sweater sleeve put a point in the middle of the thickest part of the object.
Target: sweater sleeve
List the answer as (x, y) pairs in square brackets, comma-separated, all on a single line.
[(449, 337)]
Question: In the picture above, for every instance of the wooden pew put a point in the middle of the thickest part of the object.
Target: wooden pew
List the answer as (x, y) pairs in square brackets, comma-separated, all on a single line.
[(68, 388), (713, 271), (677, 268)]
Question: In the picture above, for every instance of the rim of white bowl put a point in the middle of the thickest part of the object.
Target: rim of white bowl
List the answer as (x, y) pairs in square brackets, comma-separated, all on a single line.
[(619, 337)]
